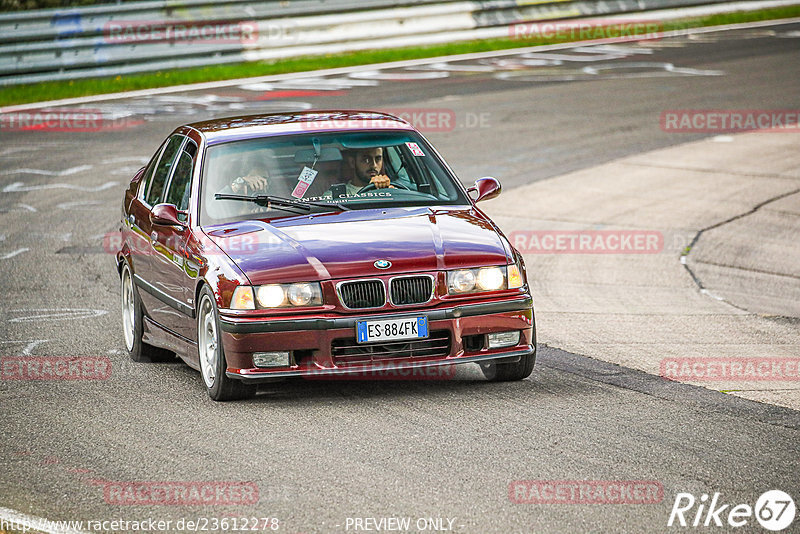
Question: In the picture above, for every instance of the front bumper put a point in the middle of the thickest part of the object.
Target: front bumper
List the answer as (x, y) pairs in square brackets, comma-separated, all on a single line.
[(312, 339)]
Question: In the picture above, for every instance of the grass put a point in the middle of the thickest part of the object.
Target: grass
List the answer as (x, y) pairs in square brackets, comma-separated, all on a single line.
[(21, 94)]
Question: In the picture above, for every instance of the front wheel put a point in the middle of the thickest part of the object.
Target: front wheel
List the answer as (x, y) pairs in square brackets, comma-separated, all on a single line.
[(212, 355)]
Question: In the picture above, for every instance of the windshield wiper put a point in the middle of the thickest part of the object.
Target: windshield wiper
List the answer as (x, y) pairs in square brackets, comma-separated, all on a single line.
[(270, 201)]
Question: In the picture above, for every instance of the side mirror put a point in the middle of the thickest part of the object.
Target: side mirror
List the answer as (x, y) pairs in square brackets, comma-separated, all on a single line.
[(166, 214), (486, 187)]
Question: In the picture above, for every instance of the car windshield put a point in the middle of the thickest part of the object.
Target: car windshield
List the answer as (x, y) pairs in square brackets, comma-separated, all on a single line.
[(326, 170)]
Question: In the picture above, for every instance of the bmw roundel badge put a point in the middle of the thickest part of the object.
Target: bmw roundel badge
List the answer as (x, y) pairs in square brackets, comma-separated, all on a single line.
[(382, 264)]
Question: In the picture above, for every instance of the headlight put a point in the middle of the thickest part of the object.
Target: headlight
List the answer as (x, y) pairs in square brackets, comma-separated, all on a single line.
[(460, 281), (271, 296), (277, 296), (491, 278), (300, 294), (483, 279)]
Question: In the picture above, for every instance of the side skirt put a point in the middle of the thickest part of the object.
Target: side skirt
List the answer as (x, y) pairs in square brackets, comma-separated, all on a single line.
[(158, 336)]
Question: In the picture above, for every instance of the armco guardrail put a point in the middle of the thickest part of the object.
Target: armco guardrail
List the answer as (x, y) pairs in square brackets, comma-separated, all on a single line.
[(107, 40)]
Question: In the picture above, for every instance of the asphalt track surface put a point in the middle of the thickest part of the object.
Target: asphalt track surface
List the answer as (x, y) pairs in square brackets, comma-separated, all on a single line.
[(320, 453)]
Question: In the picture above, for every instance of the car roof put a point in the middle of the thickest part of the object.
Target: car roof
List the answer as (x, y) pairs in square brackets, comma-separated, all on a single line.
[(251, 126)]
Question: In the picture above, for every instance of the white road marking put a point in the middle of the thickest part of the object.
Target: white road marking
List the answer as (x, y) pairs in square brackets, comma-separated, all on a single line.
[(655, 66), (14, 149), (584, 57), (399, 76), (23, 522), (613, 49), (315, 83), (43, 172), (66, 237), (32, 345), (192, 99), (80, 205), (15, 253), (457, 68), (63, 314), (126, 171), (27, 207), (125, 159), (29, 345), (20, 187)]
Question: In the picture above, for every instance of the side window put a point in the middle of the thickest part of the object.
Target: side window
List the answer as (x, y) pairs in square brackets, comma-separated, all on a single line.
[(148, 174), (181, 184), (394, 160), (160, 175)]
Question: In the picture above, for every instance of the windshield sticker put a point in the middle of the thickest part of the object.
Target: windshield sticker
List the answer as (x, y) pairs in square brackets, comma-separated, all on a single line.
[(305, 180), (415, 149)]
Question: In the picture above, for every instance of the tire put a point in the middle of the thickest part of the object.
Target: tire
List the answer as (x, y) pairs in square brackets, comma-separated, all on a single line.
[(212, 354), (508, 372), (133, 323)]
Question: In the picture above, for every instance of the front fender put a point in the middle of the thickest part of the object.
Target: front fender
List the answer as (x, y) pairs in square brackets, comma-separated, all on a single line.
[(216, 269)]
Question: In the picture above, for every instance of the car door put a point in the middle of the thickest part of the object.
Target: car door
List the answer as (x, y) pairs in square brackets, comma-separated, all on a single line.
[(148, 268), (176, 272)]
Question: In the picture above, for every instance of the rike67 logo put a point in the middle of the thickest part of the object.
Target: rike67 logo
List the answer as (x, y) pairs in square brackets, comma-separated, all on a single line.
[(774, 510)]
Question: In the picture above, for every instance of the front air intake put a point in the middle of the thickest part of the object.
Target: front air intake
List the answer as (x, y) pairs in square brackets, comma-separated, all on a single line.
[(362, 294)]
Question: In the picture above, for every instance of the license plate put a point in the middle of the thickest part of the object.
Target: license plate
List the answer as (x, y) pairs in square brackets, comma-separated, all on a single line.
[(392, 329)]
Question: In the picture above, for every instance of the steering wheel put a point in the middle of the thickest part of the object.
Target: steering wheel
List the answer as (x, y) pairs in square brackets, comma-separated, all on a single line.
[(370, 187)]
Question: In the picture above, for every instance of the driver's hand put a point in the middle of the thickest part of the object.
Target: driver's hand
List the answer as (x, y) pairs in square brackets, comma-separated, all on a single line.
[(381, 181), (252, 183)]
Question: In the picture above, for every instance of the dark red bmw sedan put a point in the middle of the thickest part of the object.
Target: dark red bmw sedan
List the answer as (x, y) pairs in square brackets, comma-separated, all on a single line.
[(316, 244)]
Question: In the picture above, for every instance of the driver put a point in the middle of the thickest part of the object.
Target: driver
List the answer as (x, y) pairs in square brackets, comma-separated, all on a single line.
[(365, 166), (254, 179)]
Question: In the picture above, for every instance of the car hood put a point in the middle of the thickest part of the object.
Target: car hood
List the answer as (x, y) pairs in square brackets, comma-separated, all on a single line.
[(347, 244)]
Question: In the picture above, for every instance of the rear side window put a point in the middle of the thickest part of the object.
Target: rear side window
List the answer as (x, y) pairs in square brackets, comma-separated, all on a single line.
[(156, 187)]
